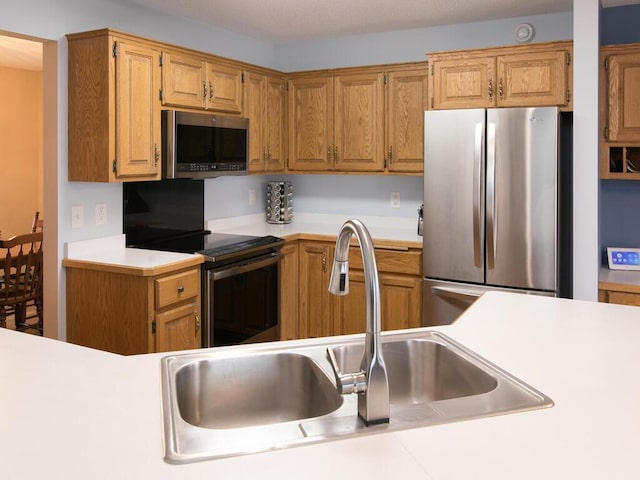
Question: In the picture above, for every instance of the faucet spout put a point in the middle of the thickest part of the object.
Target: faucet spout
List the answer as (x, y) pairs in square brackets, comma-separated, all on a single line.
[(371, 383)]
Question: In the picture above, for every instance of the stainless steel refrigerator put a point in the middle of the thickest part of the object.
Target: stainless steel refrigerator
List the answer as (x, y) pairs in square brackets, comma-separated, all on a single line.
[(497, 206)]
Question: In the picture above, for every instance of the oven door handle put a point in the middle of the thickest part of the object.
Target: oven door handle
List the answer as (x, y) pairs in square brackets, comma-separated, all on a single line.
[(252, 264)]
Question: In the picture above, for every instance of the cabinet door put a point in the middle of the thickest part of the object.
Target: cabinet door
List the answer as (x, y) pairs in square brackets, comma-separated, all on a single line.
[(407, 100), (462, 83), (533, 79), (137, 111), (274, 123), (310, 124), (358, 133), (224, 88), (623, 82), (288, 307), (316, 308), (178, 328), (183, 81), (401, 301), (255, 109)]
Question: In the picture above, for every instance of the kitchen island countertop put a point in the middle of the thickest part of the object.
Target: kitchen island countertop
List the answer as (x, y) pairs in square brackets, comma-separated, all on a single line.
[(71, 412)]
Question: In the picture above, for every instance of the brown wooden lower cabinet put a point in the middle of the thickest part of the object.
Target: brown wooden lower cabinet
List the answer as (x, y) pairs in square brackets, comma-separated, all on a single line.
[(130, 313), (620, 294), (322, 314)]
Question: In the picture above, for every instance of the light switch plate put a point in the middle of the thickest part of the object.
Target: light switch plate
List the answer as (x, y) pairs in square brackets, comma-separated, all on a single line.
[(77, 216), (394, 199), (101, 213)]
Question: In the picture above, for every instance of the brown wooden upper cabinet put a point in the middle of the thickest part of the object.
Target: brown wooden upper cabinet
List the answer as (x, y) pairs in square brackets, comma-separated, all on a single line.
[(351, 120), (520, 76), (193, 82), (264, 106), (620, 112), (113, 108)]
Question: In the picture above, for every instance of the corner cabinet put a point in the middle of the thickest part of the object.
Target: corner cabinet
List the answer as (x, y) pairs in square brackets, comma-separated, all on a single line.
[(365, 119), (127, 311), (113, 108), (619, 112), (518, 76), (265, 107)]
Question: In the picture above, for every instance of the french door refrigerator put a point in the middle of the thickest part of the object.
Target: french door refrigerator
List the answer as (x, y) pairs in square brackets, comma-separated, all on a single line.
[(497, 206)]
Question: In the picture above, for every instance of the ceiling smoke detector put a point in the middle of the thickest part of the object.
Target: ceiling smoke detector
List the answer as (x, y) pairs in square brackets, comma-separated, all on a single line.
[(523, 32)]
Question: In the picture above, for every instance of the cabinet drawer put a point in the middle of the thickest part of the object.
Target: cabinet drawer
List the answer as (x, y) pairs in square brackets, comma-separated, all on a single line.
[(174, 288), (408, 262)]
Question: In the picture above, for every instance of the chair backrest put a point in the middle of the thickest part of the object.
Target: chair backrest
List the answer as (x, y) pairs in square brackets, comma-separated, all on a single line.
[(37, 223), (20, 268)]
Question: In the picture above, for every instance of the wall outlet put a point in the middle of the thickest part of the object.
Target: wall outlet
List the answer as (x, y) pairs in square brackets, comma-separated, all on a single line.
[(77, 216), (394, 199), (101, 213), (252, 197)]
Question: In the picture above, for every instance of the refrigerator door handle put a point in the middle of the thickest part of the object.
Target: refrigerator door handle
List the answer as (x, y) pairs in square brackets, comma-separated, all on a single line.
[(456, 293), (477, 192), (492, 221)]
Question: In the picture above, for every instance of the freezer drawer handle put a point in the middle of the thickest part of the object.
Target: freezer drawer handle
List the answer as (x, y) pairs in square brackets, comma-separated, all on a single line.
[(456, 293)]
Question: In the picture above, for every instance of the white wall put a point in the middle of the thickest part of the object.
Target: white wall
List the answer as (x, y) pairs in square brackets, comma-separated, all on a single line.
[(586, 255)]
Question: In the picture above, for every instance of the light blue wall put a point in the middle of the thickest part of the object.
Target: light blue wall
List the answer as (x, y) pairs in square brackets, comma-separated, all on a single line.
[(412, 45)]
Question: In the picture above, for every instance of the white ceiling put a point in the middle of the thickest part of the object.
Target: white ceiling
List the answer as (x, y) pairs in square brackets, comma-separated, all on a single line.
[(299, 20)]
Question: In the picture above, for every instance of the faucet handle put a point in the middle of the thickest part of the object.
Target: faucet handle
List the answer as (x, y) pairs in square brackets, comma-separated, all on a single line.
[(347, 383)]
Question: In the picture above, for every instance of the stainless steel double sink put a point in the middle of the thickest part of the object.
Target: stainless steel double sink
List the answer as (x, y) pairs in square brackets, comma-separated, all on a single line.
[(270, 396)]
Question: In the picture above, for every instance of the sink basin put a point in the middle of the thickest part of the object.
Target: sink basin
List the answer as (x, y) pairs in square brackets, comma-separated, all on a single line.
[(253, 390), (421, 370), (226, 402)]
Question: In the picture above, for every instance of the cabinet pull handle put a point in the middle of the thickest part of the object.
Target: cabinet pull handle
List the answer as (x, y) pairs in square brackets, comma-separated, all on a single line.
[(180, 288), (329, 154), (500, 89), (490, 90), (390, 154), (197, 324), (266, 155), (204, 90), (210, 91), (324, 263), (156, 154), (335, 153)]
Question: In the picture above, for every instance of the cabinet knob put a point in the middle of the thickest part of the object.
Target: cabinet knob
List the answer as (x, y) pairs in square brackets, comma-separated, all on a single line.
[(180, 288)]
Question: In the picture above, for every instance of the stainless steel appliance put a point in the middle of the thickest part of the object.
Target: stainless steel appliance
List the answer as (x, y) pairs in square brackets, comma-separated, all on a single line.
[(240, 273), (240, 289), (279, 202), (202, 145), (497, 206)]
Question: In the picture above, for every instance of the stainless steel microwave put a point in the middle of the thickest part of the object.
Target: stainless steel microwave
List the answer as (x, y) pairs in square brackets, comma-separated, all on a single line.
[(203, 145)]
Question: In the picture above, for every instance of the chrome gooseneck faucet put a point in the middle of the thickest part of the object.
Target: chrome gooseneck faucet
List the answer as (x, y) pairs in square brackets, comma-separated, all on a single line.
[(371, 382)]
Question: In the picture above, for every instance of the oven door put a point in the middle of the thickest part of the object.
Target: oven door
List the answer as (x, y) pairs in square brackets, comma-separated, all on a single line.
[(240, 302)]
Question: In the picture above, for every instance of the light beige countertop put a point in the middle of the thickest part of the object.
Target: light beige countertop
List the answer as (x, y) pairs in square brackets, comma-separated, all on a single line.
[(383, 230), (109, 254), (70, 412), (610, 278)]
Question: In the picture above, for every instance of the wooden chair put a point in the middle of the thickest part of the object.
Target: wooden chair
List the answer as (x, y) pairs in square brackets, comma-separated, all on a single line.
[(21, 278), (37, 224)]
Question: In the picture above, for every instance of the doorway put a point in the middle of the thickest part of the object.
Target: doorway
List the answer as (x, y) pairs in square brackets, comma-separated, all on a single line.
[(29, 139)]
